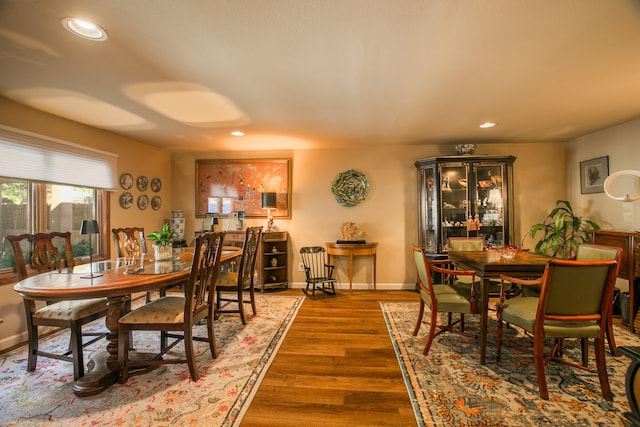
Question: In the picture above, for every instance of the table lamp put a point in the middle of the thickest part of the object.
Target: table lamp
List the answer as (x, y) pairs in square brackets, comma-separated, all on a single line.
[(90, 226), (268, 203)]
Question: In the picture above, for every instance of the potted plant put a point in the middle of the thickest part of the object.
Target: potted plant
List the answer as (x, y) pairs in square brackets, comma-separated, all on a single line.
[(162, 243), (562, 231)]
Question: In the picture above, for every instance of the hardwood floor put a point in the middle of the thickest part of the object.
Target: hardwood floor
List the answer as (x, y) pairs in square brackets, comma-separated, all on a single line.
[(336, 367)]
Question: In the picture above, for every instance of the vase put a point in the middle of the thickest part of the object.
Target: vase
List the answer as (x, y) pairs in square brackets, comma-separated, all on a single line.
[(162, 252)]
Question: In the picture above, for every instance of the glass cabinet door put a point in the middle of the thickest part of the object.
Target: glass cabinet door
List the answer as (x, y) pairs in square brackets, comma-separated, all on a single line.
[(490, 203), (429, 208), (454, 180)]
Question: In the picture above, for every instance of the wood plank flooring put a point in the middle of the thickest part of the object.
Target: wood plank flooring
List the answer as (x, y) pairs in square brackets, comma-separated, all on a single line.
[(336, 367)]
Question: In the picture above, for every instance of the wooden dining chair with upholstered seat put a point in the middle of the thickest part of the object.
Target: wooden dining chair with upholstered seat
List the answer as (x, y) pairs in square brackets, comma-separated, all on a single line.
[(232, 285), (462, 283), (42, 255), (129, 242), (574, 302), (441, 297), (175, 316)]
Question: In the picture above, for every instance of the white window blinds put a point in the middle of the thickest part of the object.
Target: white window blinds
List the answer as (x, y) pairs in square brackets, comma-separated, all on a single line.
[(35, 157)]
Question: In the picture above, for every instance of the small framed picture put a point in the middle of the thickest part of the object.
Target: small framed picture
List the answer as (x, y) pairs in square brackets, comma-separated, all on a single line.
[(592, 175)]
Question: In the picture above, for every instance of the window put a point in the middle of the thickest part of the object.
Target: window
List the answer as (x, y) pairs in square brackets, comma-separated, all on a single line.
[(52, 185), (32, 207)]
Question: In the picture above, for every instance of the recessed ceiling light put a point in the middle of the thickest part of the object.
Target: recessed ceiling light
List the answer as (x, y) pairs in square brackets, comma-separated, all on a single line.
[(237, 133), (487, 125), (84, 28)]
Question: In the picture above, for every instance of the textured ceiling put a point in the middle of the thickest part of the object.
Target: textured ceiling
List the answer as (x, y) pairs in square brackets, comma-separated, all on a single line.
[(295, 74)]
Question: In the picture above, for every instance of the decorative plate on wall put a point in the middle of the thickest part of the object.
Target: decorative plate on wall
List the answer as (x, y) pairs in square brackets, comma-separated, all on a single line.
[(143, 202), (350, 188), (156, 202), (126, 200), (142, 183), (156, 185), (126, 181)]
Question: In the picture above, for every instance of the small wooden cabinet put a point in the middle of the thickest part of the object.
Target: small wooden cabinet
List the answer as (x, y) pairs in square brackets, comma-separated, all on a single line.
[(272, 259), (272, 264)]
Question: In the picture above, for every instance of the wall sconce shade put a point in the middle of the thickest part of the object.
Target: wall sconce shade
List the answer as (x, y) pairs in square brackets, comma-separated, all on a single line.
[(269, 200), (89, 226)]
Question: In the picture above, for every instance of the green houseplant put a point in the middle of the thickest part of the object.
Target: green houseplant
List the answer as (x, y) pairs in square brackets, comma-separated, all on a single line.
[(162, 242), (563, 231)]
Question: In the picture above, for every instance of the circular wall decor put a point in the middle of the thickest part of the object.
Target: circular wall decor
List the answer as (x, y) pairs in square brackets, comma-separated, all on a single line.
[(142, 183), (126, 200), (143, 202), (350, 188), (126, 181), (156, 202), (156, 185)]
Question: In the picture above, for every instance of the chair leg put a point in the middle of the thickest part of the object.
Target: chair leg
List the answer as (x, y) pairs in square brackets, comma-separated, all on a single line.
[(432, 331), (252, 297), (462, 322), (211, 333), (419, 322), (602, 369), (241, 306), (499, 339), (76, 350), (610, 337), (538, 356), (584, 344), (191, 358)]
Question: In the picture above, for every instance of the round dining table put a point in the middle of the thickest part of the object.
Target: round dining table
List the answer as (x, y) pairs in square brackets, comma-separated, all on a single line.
[(115, 280)]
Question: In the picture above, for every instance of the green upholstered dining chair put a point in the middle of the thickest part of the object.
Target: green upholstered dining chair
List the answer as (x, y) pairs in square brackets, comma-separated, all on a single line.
[(574, 302), (43, 255), (441, 297), (463, 283), (586, 252), (175, 316), (232, 285)]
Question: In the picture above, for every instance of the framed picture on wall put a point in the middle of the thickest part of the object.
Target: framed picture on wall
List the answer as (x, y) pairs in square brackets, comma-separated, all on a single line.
[(225, 186), (592, 175)]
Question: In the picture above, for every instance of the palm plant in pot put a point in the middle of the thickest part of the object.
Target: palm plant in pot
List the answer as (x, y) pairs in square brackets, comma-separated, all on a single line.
[(162, 243), (563, 231)]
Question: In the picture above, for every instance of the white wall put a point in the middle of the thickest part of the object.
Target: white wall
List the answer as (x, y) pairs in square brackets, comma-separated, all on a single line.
[(621, 144)]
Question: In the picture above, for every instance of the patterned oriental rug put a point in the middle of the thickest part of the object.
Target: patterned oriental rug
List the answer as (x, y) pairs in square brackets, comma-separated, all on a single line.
[(164, 397), (449, 387)]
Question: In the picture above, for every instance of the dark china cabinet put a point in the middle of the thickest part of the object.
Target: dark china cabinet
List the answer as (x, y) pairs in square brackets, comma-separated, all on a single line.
[(464, 196)]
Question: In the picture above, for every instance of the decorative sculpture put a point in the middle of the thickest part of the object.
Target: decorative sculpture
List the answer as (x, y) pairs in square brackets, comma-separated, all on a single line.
[(351, 232)]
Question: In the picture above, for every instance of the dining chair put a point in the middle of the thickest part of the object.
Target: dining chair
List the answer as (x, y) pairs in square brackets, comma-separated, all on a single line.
[(441, 297), (130, 242), (318, 274), (463, 283), (574, 302), (231, 285), (175, 316), (587, 252), (42, 255)]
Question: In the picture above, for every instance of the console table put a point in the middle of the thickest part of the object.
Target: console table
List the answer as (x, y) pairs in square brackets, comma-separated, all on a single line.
[(629, 242), (351, 250)]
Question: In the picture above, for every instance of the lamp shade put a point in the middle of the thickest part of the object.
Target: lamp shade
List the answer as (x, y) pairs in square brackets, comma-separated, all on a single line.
[(89, 226), (269, 200)]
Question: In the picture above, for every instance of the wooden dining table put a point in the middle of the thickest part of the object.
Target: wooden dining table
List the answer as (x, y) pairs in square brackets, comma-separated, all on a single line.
[(116, 280), (489, 264)]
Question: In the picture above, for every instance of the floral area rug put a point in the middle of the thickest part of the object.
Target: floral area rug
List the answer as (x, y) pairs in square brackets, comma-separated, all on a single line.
[(449, 387), (164, 397)]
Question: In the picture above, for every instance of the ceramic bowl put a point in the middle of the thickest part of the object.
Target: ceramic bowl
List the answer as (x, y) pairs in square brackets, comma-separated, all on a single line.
[(462, 149)]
